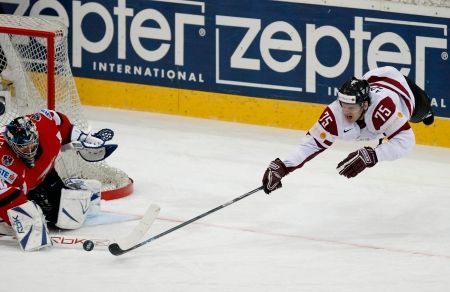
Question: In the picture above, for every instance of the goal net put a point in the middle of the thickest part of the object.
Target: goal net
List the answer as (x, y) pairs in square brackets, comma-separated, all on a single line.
[(35, 74)]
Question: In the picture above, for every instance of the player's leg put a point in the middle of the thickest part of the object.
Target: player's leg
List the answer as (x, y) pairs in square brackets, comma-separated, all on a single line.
[(422, 111), (66, 206), (73, 208), (94, 186), (47, 195), (77, 199)]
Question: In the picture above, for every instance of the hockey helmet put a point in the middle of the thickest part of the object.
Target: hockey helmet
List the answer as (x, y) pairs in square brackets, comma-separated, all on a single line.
[(22, 136), (354, 91)]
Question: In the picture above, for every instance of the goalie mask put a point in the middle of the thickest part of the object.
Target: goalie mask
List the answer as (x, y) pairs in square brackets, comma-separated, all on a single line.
[(22, 136), (354, 91)]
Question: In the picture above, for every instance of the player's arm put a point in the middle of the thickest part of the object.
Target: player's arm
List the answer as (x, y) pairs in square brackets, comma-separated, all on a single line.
[(399, 144), (389, 120), (320, 137), (92, 147), (390, 78)]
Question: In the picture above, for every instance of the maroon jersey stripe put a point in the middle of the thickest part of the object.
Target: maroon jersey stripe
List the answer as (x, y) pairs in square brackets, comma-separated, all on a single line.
[(394, 86)]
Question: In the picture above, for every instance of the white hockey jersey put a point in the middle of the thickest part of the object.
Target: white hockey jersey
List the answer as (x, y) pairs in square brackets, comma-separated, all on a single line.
[(391, 106)]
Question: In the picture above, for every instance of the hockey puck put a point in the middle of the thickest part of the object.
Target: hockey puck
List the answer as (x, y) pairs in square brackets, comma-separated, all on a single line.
[(88, 245)]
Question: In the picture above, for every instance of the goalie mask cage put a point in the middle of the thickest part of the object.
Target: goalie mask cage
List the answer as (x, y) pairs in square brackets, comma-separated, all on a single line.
[(36, 74)]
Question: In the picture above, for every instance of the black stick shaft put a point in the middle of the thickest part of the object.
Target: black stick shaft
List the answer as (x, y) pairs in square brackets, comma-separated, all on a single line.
[(116, 250)]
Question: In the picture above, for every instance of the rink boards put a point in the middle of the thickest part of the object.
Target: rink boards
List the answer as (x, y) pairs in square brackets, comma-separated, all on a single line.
[(277, 113)]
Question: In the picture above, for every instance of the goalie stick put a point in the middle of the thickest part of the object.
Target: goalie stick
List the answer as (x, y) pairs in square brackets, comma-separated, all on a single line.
[(67, 241), (141, 228), (117, 249), (137, 233), (88, 242)]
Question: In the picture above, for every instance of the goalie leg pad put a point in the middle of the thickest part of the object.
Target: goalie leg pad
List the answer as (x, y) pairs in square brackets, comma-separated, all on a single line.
[(92, 185), (29, 225), (73, 208)]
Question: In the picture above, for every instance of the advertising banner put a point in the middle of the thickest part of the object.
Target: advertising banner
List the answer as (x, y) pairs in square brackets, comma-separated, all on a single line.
[(285, 50)]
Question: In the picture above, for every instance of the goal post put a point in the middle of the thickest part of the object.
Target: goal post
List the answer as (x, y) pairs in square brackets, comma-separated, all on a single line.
[(35, 73)]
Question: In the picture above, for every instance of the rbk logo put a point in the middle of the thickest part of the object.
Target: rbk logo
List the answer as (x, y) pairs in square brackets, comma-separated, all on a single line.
[(18, 224)]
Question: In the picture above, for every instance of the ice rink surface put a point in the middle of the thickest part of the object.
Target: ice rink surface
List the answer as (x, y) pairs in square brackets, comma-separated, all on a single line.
[(385, 230)]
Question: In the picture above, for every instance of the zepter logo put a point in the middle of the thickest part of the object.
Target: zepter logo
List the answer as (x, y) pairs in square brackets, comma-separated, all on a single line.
[(124, 24), (358, 44)]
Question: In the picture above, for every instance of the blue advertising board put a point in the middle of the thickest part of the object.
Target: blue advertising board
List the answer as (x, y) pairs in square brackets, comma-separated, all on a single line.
[(286, 50)]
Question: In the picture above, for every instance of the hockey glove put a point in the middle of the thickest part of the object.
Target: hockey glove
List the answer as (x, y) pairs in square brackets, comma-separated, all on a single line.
[(357, 161), (89, 140), (273, 175), (91, 147)]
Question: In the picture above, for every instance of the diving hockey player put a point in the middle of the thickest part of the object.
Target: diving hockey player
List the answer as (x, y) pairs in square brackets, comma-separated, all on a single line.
[(381, 104)]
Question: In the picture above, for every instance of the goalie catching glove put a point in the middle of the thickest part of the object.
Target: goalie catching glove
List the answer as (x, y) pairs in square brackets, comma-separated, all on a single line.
[(357, 161), (273, 175), (91, 147)]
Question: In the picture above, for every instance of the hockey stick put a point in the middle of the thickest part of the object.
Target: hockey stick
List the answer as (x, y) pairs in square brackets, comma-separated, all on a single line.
[(117, 250), (88, 243)]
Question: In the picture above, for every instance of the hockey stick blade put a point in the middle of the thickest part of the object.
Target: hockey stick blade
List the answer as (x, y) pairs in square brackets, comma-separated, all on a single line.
[(116, 249)]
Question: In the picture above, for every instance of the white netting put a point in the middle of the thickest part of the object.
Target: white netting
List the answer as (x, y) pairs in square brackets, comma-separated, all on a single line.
[(23, 60)]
